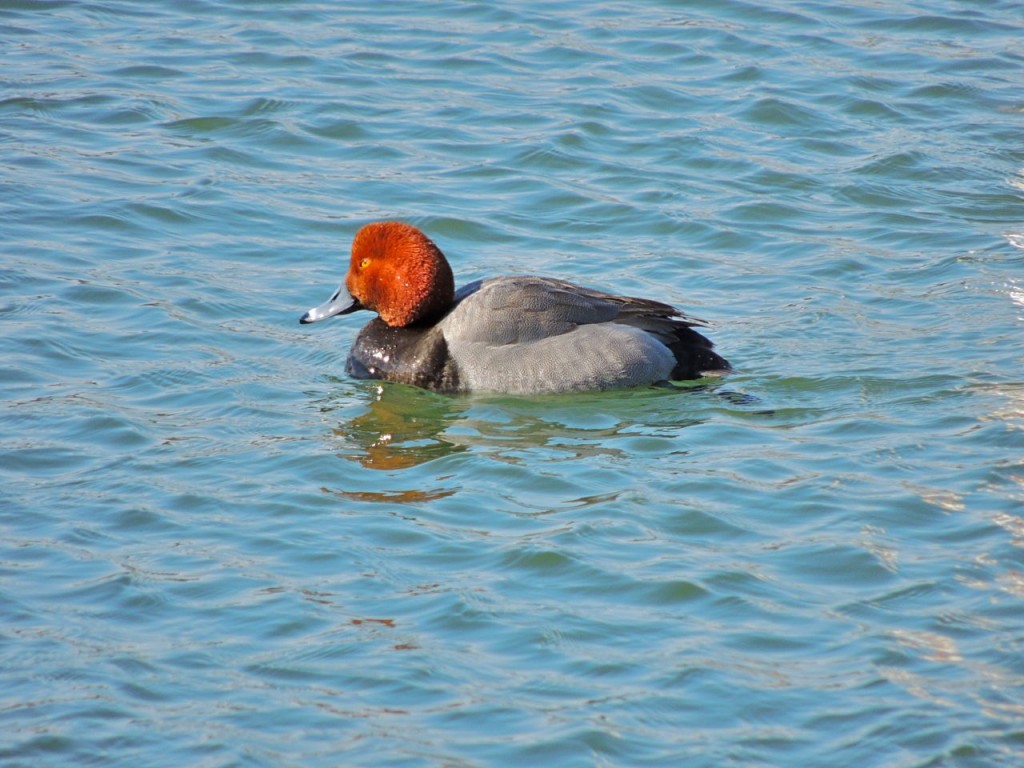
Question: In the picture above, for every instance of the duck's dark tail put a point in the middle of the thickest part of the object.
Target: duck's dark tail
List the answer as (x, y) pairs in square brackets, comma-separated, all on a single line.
[(695, 354)]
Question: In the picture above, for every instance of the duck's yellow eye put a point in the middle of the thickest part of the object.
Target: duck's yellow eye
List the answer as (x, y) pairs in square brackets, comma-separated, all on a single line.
[(364, 263)]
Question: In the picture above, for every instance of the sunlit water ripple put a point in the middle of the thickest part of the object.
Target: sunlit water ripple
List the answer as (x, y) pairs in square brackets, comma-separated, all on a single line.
[(219, 550)]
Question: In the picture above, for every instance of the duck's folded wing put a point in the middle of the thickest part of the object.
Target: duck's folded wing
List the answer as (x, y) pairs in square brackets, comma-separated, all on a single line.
[(535, 334), (511, 310)]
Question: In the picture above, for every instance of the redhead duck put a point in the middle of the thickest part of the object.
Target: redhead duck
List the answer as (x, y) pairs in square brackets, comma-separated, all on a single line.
[(516, 335)]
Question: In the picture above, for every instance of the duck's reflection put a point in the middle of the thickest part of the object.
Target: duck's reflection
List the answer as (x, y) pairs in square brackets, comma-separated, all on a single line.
[(400, 427)]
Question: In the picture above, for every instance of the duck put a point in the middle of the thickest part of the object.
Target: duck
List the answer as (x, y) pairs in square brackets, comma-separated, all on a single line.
[(513, 334)]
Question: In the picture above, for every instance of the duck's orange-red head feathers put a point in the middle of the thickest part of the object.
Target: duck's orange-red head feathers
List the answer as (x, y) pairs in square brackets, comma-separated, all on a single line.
[(398, 272)]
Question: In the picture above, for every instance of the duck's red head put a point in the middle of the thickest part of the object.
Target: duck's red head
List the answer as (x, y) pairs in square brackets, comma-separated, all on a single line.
[(398, 272)]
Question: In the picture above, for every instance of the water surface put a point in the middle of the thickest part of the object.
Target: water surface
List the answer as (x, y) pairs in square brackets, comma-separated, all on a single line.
[(216, 549)]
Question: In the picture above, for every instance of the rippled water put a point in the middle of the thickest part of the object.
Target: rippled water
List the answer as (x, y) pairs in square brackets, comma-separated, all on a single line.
[(218, 550)]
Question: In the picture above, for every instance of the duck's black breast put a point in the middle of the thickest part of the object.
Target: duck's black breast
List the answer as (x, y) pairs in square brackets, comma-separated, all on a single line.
[(416, 356)]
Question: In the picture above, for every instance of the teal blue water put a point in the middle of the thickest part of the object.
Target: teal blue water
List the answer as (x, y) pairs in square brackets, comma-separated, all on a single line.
[(216, 549)]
